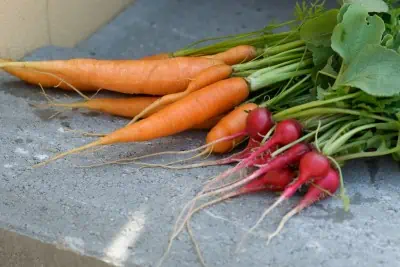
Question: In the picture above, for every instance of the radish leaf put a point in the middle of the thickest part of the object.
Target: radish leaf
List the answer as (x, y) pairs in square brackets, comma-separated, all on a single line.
[(371, 5), (357, 30), (318, 31), (320, 54), (375, 70)]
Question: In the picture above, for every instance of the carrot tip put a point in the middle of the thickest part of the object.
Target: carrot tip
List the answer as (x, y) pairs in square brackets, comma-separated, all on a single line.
[(72, 151)]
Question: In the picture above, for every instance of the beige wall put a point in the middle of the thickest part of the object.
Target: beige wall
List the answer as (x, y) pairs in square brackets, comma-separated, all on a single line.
[(28, 24)]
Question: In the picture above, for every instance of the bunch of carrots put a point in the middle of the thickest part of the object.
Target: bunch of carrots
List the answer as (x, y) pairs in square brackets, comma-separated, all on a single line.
[(284, 94)]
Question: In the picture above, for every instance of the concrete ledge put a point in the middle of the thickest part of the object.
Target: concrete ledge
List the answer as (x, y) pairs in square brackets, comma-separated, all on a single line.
[(21, 251)]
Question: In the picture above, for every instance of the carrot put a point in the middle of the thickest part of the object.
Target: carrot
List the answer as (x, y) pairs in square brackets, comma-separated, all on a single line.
[(233, 123), (230, 132), (208, 124), (46, 80), (222, 138), (182, 115), (157, 56), (236, 55), (206, 77), (151, 77), (124, 107)]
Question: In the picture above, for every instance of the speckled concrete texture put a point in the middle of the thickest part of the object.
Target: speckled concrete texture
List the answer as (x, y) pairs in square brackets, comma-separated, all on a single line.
[(123, 215)]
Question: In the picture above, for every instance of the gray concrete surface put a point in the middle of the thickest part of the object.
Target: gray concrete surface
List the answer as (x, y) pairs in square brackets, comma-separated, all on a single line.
[(124, 215)]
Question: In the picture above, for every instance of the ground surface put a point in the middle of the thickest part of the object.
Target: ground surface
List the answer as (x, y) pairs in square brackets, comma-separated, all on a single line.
[(124, 215)]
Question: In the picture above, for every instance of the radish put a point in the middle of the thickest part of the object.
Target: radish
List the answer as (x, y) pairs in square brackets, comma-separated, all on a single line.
[(313, 166), (258, 123), (273, 181), (290, 156), (286, 132), (322, 189)]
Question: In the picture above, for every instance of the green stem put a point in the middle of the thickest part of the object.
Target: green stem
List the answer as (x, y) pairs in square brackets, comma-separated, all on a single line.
[(345, 127), (283, 94), (235, 41), (332, 148), (244, 73), (371, 154), (320, 111), (351, 145), (305, 137), (259, 63), (272, 78), (282, 48), (263, 71), (287, 68), (314, 104), (328, 134)]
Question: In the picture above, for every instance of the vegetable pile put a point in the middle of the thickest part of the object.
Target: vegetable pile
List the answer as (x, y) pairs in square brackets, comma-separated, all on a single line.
[(306, 100)]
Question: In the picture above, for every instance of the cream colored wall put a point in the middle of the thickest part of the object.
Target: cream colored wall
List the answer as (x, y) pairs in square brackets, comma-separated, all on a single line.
[(29, 24)]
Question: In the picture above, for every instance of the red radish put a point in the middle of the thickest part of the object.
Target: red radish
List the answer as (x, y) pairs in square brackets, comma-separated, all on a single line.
[(275, 180), (321, 189), (286, 132), (258, 123), (290, 156), (313, 166)]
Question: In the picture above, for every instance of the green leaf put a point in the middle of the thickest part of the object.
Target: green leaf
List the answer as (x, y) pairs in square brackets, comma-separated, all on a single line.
[(377, 6), (375, 70), (378, 142), (357, 30), (342, 11), (320, 54), (328, 69), (318, 31)]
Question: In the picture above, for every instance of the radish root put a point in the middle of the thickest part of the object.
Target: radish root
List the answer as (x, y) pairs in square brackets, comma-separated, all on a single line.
[(195, 244), (282, 224), (265, 213)]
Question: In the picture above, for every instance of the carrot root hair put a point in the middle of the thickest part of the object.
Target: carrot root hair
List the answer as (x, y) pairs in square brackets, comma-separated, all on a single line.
[(72, 151)]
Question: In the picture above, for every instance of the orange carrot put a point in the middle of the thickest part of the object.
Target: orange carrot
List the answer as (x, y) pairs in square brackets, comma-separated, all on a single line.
[(231, 124), (206, 77), (150, 77), (208, 124), (236, 55), (231, 56), (182, 115), (124, 107), (46, 80), (157, 56)]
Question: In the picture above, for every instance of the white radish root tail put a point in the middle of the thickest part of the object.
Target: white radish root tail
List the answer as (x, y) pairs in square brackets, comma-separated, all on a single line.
[(265, 213), (195, 244), (282, 223)]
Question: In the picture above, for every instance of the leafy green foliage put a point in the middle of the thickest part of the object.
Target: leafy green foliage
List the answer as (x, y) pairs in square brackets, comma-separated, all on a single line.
[(320, 54), (306, 10), (356, 30), (318, 30), (375, 70), (370, 5), (388, 105)]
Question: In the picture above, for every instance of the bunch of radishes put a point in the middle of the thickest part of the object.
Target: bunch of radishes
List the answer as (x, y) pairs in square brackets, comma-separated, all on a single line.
[(297, 164)]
